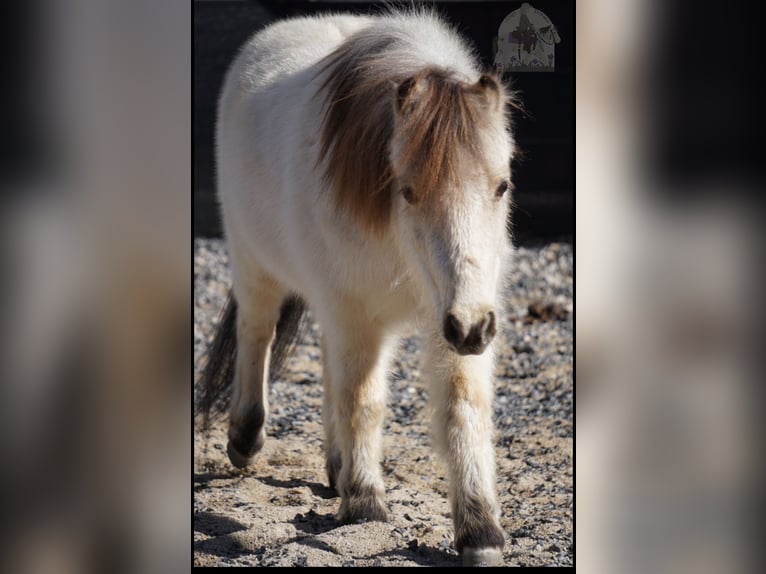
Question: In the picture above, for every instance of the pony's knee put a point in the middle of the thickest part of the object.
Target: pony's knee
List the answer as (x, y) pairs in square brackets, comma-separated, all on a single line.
[(246, 436)]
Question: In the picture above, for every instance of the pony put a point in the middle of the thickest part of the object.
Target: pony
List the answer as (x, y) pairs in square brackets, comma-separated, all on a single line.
[(364, 164)]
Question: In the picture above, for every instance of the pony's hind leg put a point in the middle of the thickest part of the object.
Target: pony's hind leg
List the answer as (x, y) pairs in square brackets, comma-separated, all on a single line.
[(259, 305), (461, 391), (356, 354)]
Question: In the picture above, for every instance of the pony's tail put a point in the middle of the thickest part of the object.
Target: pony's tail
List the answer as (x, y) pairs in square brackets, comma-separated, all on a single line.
[(218, 374)]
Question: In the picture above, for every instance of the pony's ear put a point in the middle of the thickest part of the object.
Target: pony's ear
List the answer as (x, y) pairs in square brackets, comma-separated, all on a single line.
[(490, 88), (489, 82), (407, 93)]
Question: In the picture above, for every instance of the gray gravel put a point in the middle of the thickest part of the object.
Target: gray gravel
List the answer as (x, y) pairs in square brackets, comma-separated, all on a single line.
[(533, 403)]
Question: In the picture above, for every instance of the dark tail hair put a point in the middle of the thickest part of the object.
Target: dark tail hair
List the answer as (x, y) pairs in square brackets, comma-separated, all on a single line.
[(218, 374)]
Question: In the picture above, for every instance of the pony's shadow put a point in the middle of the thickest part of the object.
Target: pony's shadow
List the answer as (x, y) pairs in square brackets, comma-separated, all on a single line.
[(220, 529), (317, 488), (216, 525), (223, 546), (205, 477), (423, 556), (202, 480), (313, 523), (314, 543)]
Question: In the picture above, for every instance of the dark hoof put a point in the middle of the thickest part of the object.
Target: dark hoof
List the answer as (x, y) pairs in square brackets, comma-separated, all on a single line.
[(237, 458), (366, 508), (246, 437)]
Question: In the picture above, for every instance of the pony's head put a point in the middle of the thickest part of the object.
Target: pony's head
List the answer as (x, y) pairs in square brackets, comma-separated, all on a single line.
[(450, 159), (424, 162)]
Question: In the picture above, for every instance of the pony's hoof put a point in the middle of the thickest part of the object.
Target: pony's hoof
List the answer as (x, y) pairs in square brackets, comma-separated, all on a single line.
[(237, 458), (367, 508), (246, 437), (482, 557), (480, 543)]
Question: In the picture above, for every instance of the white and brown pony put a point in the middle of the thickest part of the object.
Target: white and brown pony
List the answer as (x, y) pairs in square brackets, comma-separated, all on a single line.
[(363, 165)]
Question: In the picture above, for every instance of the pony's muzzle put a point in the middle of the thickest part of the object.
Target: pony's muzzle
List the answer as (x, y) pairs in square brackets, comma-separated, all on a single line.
[(472, 340)]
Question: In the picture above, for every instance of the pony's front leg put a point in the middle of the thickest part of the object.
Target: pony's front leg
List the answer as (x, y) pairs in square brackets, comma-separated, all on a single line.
[(356, 358), (332, 450), (461, 391)]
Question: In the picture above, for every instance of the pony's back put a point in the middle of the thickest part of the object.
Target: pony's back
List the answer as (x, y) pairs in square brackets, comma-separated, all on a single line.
[(287, 47), (292, 45)]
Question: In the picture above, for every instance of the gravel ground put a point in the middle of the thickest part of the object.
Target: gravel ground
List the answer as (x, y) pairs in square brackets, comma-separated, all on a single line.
[(281, 513)]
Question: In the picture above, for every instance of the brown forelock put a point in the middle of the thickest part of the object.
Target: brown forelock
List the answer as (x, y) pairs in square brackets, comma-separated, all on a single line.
[(356, 132), (444, 120)]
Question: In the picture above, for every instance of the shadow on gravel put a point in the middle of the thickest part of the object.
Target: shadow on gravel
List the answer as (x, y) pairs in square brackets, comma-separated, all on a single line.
[(317, 488), (202, 481), (223, 546), (215, 525), (313, 523), (423, 556), (314, 543)]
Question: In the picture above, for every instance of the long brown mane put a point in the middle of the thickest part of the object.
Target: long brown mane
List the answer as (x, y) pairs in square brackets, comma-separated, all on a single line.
[(439, 117)]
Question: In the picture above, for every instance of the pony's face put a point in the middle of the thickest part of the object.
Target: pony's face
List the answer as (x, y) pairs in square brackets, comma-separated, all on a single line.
[(451, 221)]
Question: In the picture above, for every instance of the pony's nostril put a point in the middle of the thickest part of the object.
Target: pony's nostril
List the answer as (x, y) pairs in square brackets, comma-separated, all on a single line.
[(453, 330), (471, 341)]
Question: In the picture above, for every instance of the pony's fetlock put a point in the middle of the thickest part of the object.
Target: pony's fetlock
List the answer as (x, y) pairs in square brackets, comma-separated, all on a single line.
[(246, 436), (366, 506)]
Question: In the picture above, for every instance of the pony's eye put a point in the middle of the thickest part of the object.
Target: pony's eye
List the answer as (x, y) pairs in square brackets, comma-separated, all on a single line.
[(408, 194), (502, 188)]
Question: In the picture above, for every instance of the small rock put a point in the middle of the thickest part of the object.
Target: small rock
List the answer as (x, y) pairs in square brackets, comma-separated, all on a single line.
[(539, 311), (446, 546)]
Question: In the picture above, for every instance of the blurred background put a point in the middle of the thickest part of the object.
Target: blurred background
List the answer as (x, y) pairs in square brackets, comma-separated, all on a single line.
[(96, 225), (95, 231), (668, 259)]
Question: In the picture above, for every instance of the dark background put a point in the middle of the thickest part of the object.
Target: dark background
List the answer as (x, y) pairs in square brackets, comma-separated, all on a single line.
[(544, 179)]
